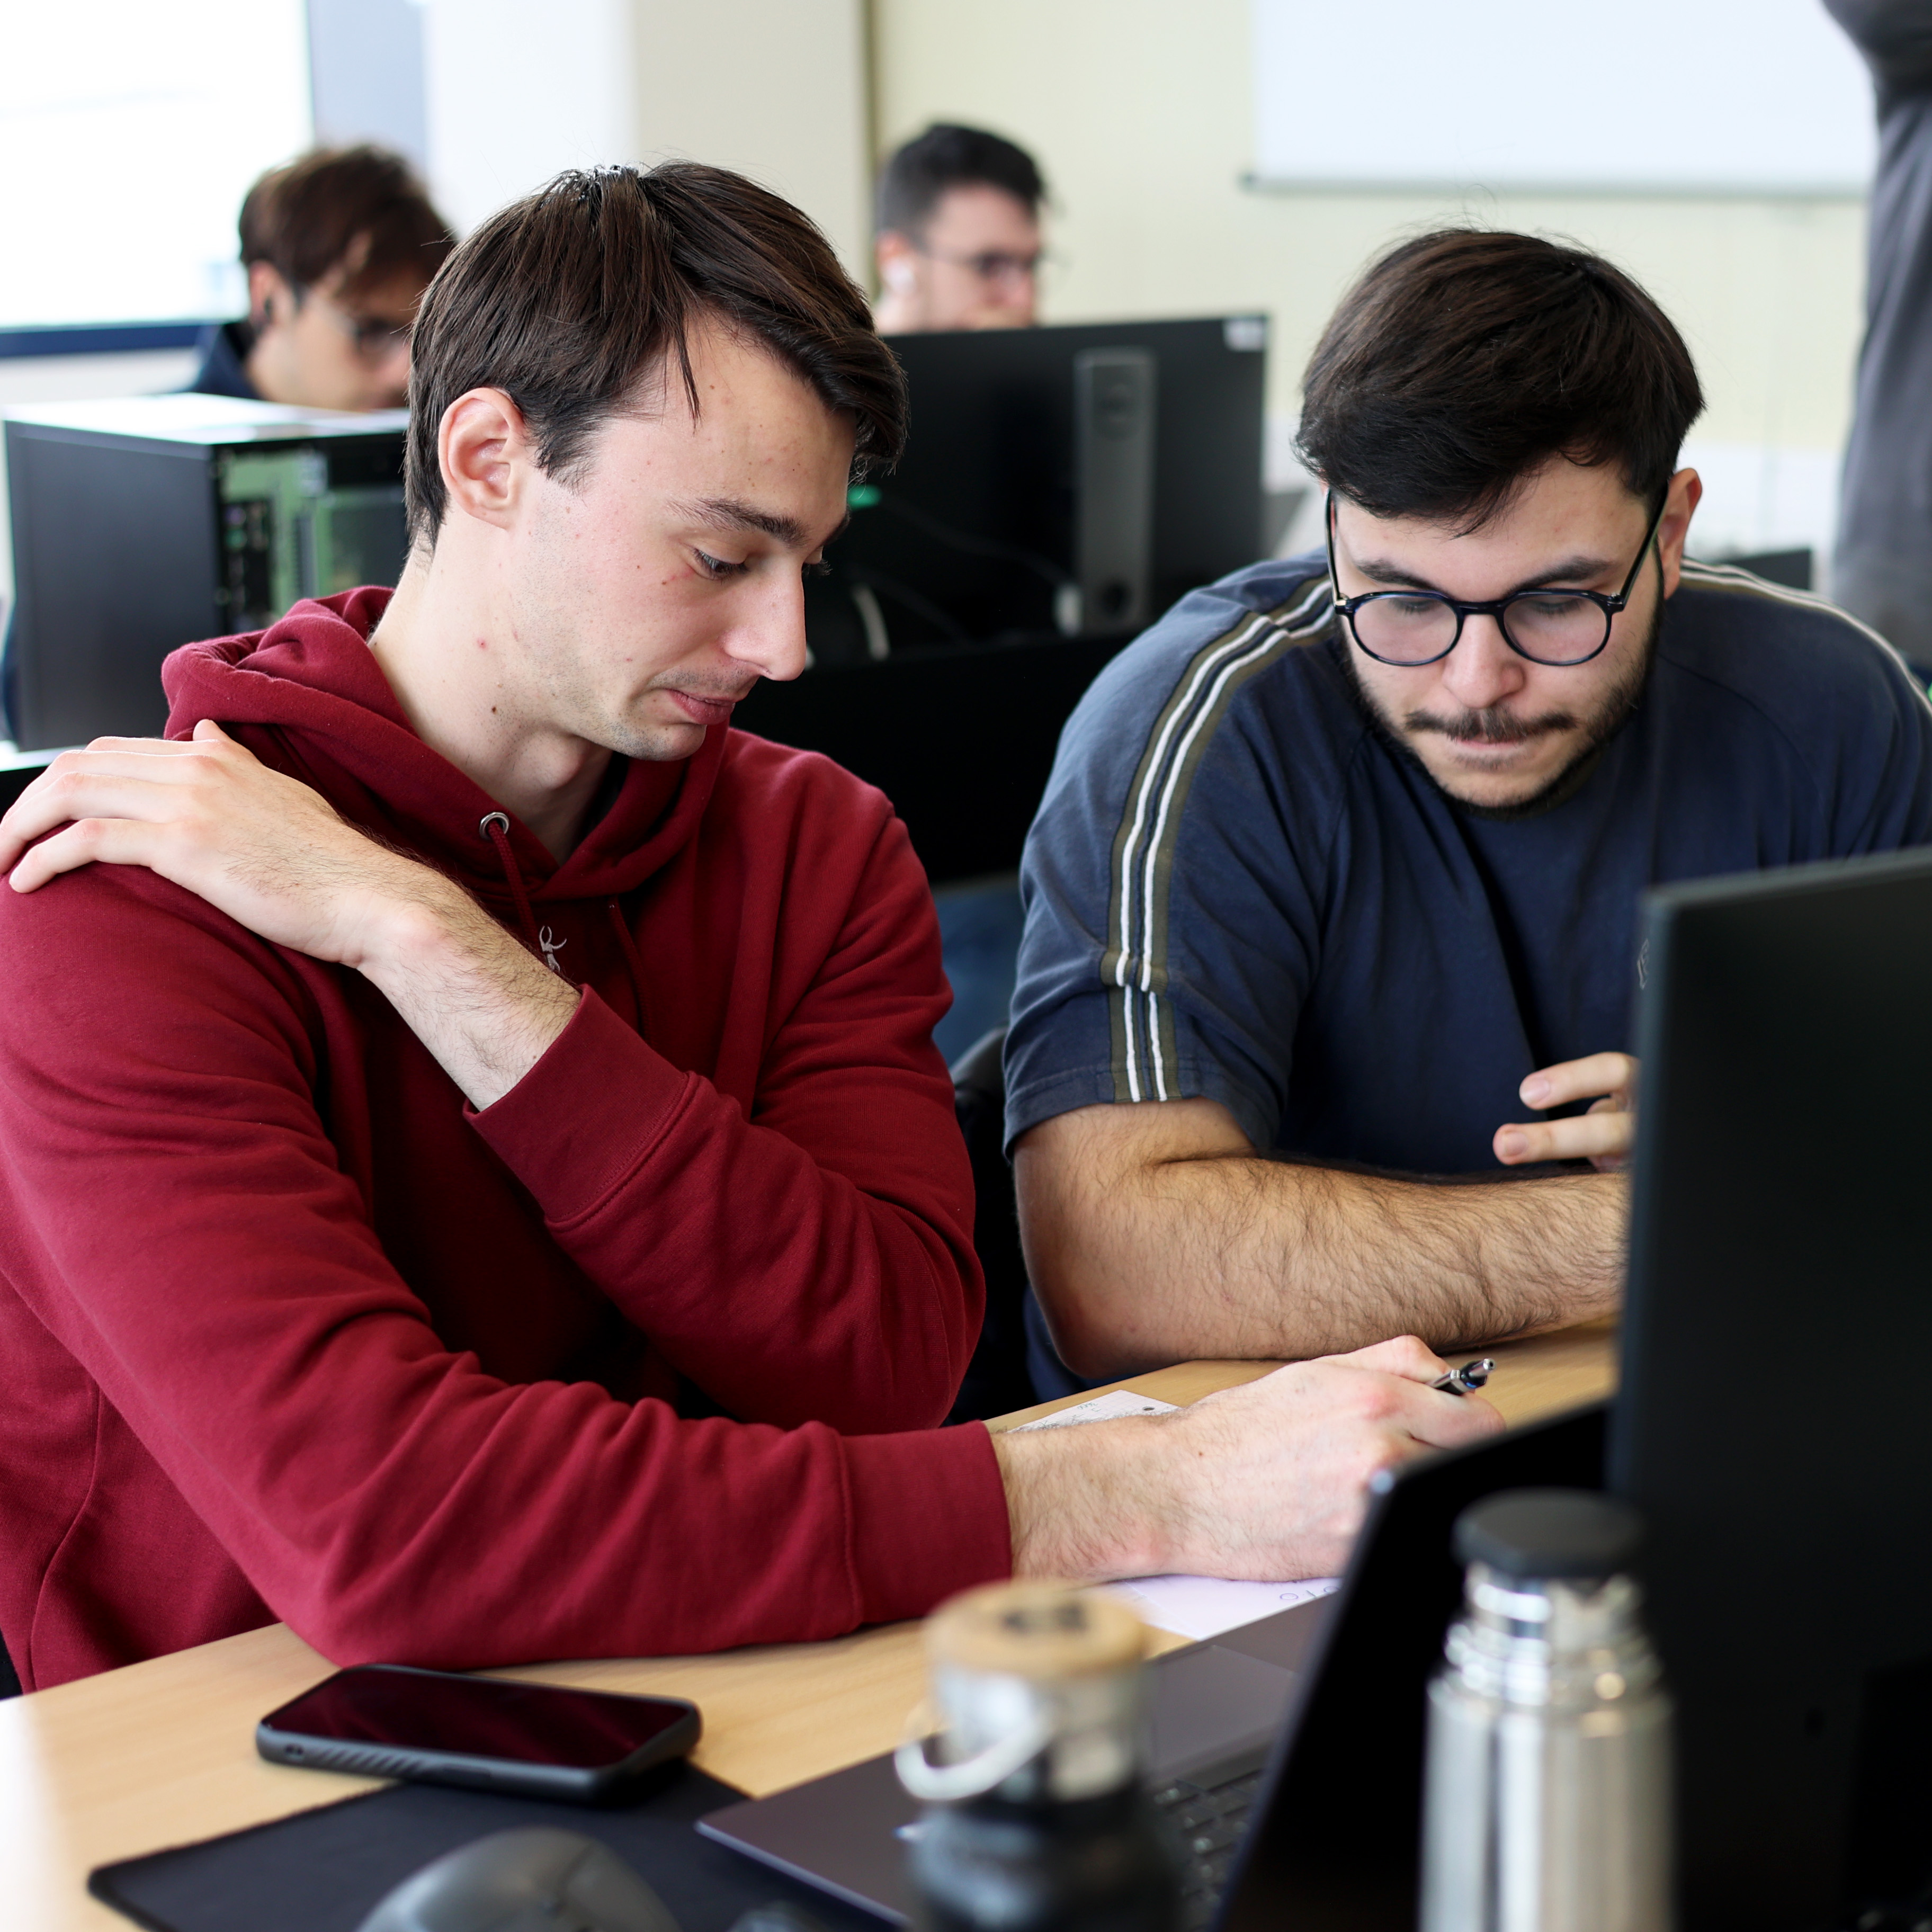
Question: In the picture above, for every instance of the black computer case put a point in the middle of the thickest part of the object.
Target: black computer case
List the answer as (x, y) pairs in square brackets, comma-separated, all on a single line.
[(142, 524)]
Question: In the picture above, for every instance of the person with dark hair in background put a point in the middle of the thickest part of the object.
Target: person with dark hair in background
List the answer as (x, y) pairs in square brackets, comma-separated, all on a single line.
[(1882, 570), (1337, 880), (339, 246), (958, 242), (475, 1178)]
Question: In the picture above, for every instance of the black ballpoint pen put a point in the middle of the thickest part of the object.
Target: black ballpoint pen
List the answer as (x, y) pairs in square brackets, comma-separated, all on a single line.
[(1470, 1376)]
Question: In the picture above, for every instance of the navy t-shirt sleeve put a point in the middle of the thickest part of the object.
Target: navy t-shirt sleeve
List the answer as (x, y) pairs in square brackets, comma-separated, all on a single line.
[(1888, 805), (1853, 723), (1171, 935)]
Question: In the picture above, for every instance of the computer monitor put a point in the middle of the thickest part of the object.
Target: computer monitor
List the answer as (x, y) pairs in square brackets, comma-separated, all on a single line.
[(1072, 480), (1060, 488), (145, 523), (1771, 1421)]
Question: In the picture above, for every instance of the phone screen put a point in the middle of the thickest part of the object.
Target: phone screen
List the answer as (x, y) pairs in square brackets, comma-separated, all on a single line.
[(478, 1717)]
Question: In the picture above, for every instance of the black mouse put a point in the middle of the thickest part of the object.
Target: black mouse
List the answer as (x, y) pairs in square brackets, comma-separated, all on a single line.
[(535, 1878)]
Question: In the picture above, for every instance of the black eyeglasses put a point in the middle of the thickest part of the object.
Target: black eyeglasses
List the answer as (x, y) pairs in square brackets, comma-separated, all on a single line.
[(1412, 628), (995, 265), (374, 338)]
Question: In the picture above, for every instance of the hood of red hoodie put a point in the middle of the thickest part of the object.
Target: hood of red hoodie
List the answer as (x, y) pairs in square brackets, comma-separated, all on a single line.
[(307, 696)]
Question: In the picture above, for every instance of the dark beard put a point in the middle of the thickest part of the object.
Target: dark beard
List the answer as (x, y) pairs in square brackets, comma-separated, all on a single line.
[(1496, 726)]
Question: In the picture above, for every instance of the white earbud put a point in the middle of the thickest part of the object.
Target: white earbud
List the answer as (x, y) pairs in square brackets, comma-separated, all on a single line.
[(898, 276)]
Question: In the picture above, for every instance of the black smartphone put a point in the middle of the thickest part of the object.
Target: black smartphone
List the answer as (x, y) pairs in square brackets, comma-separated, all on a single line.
[(489, 1733)]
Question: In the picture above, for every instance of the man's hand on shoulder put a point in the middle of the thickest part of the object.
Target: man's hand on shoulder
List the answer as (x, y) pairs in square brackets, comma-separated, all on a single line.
[(1603, 1136), (273, 855), (267, 850), (1268, 1481)]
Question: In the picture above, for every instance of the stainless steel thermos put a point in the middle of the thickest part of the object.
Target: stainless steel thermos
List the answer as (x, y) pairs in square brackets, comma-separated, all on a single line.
[(1548, 1803), (1036, 1819)]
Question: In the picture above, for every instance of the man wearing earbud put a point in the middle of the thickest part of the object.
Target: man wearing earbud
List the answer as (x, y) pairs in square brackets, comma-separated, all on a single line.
[(339, 246), (476, 1181), (958, 234)]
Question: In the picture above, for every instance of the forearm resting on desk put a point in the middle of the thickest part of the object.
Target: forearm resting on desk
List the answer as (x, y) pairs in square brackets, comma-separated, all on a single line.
[(1267, 1481), (1155, 1234)]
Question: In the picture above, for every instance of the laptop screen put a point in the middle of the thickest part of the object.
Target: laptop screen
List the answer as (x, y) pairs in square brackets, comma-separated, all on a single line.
[(1337, 1843)]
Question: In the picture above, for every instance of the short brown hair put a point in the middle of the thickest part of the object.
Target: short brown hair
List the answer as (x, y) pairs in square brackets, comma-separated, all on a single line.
[(912, 183), (358, 211), (569, 300), (1464, 360)]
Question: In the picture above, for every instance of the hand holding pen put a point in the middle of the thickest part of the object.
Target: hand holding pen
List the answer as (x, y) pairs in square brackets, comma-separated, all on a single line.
[(1466, 1380)]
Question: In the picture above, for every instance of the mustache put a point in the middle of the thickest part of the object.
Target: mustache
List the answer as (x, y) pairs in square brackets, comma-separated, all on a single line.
[(1492, 725)]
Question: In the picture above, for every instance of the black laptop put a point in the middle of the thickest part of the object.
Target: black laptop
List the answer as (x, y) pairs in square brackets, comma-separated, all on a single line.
[(1771, 1424), (1286, 1756)]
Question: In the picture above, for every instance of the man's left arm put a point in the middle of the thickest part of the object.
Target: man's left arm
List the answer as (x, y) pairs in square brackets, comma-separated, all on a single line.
[(1878, 791), (816, 1259), (815, 1264), (1874, 790)]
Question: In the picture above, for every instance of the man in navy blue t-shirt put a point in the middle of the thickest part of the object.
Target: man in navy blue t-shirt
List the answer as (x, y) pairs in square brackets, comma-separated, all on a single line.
[(1335, 888)]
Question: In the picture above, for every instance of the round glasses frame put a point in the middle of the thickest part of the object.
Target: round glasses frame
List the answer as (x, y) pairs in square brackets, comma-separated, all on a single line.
[(993, 265), (1497, 607), (372, 338)]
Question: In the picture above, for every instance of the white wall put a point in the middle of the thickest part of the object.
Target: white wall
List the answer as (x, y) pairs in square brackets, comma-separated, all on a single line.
[(516, 92), (775, 88), (1140, 114), (1752, 97)]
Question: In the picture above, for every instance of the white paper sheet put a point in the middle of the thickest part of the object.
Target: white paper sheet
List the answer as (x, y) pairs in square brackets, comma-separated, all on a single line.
[(1107, 1408), (1195, 1606), (1204, 1606)]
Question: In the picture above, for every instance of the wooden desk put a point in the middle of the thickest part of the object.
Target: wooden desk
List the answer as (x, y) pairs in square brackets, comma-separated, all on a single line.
[(163, 1753)]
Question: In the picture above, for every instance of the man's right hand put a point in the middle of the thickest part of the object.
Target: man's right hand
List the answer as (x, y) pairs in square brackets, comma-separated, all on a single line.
[(1268, 1481), (262, 846), (275, 857)]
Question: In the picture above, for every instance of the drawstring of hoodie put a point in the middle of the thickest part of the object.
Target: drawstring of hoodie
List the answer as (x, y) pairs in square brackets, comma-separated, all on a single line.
[(495, 826), (633, 964)]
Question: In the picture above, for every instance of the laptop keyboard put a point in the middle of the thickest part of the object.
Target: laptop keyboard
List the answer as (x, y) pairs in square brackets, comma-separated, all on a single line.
[(1208, 1822)]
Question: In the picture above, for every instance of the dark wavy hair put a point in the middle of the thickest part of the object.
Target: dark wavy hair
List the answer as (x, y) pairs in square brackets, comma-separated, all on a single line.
[(358, 211), (1464, 360), (574, 299), (946, 156)]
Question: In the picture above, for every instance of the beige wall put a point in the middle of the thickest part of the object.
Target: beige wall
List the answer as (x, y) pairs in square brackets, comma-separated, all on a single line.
[(1139, 112), (774, 87)]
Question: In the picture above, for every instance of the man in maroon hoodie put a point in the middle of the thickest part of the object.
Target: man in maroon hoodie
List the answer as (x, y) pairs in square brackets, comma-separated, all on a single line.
[(475, 1178)]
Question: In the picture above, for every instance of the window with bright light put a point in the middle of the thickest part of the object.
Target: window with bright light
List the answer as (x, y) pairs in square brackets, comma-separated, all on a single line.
[(129, 132)]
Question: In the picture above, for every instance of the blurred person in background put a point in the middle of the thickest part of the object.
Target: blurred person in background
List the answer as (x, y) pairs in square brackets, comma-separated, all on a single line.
[(339, 245), (958, 233), (1883, 570)]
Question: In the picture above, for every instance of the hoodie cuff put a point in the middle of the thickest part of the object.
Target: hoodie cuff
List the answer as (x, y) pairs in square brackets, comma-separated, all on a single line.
[(596, 1102), (929, 1518)]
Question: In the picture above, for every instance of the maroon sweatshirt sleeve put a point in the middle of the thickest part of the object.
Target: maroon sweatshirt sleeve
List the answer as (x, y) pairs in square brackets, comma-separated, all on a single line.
[(177, 1218), (816, 1260)]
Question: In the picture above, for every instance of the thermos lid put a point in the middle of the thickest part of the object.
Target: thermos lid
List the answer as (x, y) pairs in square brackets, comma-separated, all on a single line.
[(1556, 1533), (1035, 1630)]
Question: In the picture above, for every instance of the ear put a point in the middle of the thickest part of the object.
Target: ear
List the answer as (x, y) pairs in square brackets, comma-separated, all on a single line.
[(897, 269), (486, 456), (1680, 505), (270, 298)]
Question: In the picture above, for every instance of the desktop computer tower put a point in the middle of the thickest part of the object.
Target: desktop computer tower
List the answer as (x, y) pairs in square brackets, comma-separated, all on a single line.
[(141, 524)]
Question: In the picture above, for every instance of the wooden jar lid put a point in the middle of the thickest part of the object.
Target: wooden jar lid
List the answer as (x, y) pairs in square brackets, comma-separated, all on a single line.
[(1036, 1631)]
